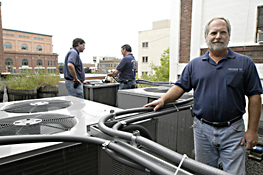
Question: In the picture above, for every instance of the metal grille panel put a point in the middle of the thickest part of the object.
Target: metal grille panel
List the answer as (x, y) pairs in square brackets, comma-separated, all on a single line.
[(37, 106), (50, 123)]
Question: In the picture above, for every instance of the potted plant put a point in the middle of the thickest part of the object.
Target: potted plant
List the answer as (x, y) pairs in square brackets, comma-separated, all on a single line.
[(47, 84), (22, 87)]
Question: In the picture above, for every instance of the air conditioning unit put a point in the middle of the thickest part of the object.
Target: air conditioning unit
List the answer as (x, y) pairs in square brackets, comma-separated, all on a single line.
[(260, 37)]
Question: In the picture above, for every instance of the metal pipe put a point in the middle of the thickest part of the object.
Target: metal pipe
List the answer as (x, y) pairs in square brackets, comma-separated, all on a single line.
[(7, 140), (191, 165)]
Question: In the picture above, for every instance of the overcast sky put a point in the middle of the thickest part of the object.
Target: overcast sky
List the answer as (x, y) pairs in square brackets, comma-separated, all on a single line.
[(105, 25)]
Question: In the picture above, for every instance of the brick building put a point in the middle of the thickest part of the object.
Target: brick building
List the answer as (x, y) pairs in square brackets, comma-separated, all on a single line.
[(21, 50), (27, 50)]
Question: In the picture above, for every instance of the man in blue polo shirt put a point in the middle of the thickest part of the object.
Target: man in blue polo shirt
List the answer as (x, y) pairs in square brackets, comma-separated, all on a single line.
[(126, 69), (74, 73), (221, 79)]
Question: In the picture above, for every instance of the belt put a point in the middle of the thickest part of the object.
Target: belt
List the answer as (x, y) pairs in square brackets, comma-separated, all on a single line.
[(219, 124), (68, 79)]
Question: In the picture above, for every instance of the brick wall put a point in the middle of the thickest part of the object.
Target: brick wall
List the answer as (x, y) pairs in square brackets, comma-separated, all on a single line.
[(185, 31), (254, 52)]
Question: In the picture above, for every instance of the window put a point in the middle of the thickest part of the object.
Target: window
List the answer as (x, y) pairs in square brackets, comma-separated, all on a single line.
[(8, 45), (24, 62), (10, 69), (145, 59), (39, 62), (105, 65), (24, 47), (54, 63), (51, 63), (8, 61), (6, 34), (260, 24), (20, 36), (144, 73), (48, 63), (39, 48), (145, 44), (11, 35)]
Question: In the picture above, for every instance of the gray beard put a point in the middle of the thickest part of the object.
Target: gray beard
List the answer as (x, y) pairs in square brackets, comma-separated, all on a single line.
[(217, 47)]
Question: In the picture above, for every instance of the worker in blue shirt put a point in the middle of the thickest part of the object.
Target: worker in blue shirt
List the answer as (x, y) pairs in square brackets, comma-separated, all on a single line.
[(126, 70), (74, 73), (221, 79)]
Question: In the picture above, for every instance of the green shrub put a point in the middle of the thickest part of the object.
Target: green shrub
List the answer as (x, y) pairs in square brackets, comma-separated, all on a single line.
[(48, 79), (26, 81)]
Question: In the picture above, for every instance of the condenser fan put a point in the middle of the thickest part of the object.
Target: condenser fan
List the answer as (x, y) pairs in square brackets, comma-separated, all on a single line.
[(36, 124), (156, 90), (37, 106)]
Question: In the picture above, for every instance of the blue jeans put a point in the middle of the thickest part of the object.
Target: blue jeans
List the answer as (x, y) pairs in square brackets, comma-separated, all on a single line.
[(78, 92), (128, 85), (212, 143)]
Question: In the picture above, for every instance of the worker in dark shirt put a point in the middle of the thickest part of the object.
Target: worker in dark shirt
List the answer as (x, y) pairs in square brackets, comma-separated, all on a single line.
[(126, 69), (73, 69), (221, 79)]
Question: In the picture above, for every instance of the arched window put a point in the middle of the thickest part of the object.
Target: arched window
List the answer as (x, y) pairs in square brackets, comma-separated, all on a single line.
[(24, 47), (39, 48), (24, 62), (39, 62), (8, 61), (8, 45)]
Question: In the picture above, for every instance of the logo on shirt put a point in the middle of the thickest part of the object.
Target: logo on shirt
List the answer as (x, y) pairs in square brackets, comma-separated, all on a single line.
[(235, 69)]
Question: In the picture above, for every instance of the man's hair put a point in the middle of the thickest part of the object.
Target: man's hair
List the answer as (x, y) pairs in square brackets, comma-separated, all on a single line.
[(227, 23), (77, 41), (127, 47)]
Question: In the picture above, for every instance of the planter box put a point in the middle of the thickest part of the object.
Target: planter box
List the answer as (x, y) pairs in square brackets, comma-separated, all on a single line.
[(47, 91), (14, 94)]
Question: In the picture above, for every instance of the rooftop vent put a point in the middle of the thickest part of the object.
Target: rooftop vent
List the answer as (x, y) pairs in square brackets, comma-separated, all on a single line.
[(36, 124), (37, 106)]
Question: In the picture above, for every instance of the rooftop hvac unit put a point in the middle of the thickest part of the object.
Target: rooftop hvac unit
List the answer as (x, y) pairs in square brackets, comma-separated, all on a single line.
[(50, 116), (97, 91), (174, 130), (260, 37)]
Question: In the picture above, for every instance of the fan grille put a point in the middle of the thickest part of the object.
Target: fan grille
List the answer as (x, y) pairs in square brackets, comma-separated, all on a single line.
[(37, 106), (48, 124)]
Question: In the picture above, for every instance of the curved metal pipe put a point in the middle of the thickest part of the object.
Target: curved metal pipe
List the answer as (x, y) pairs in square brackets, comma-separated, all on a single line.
[(6, 140), (191, 165)]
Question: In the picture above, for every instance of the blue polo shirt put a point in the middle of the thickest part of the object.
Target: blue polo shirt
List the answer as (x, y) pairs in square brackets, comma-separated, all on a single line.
[(220, 89), (127, 68), (73, 58)]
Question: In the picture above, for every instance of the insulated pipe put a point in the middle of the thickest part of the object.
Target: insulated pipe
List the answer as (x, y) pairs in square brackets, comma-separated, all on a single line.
[(7, 140), (143, 131), (165, 152), (129, 136), (151, 115), (188, 164)]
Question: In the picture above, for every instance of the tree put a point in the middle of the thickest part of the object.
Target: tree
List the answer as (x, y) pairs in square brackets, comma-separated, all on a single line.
[(61, 69), (159, 73)]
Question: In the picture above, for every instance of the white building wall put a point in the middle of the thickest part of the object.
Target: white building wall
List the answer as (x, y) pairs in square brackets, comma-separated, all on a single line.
[(241, 13), (158, 41)]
